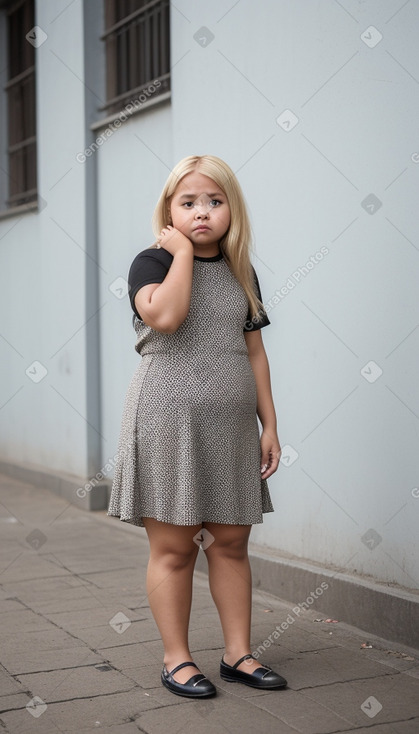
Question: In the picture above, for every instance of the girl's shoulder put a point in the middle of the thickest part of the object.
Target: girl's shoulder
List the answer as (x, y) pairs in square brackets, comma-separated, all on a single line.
[(158, 254)]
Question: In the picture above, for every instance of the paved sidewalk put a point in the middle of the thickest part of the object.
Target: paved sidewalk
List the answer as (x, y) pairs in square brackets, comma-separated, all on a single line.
[(80, 651)]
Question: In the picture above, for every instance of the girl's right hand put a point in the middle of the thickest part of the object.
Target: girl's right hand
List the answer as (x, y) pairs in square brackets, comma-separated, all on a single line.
[(173, 240)]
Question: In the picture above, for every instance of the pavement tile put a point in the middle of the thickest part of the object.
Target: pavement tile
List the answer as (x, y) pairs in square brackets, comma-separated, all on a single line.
[(300, 714), (123, 579), (74, 683), (88, 596), (135, 601), (395, 661), (90, 560), (328, 666), (88, 713), (202, 620), (79, 599), (30, 567), (223, 714), (94, 617), (32, 590), (135, 655), (23, 723), (401, 727), (117, 729), (8, 685), (23, 619), (31, 661), (106, 636), (36, 642), (15, 701), (204, 638), (297, 640), (413, 672), (147, 676), (155, 649), (145, 629), (352, 638), (397, 694), (10, 604)]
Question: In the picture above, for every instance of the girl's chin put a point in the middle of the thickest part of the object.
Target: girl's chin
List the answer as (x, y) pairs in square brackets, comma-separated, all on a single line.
[(206, 237)]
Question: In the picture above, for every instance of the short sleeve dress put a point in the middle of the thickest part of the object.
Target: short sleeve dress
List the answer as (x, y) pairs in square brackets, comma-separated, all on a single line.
[(189, 444)]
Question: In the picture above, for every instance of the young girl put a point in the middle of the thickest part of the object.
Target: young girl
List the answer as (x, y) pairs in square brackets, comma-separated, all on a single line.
[(192, 468)]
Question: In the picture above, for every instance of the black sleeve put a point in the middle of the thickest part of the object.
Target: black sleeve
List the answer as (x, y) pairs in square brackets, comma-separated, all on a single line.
[(149, 266), (261, 319)]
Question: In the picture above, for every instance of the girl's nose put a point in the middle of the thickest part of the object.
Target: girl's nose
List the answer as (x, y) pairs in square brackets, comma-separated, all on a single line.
[(202, 204), (201, 211)]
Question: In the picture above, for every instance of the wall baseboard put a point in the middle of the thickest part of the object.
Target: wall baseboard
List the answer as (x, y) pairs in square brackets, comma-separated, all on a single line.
[(64, 485), (385, 611)]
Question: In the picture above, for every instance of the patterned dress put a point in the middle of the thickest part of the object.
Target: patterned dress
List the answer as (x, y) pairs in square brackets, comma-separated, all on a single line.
[(189, 445)]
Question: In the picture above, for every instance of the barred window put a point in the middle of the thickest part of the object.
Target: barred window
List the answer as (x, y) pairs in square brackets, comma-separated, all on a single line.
[(21, 104), (137, 39)]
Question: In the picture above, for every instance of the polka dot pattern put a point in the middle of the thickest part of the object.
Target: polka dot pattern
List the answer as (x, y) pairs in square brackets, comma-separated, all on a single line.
[(189, 445)]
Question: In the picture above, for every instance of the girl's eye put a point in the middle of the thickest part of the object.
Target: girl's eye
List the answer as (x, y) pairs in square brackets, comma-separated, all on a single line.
[(214, 203)]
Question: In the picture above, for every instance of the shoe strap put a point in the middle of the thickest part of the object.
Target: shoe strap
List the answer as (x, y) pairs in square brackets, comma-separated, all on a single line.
[(245, 657), (178, 667)]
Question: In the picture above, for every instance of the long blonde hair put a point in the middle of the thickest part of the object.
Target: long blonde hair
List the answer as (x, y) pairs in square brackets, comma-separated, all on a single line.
[(236, 245)]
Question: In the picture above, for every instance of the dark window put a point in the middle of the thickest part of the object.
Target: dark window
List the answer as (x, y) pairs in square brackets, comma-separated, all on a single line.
[(137, 38), (21, 104)]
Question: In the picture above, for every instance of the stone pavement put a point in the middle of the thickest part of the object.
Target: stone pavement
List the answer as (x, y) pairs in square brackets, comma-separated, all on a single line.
[(80, 651)]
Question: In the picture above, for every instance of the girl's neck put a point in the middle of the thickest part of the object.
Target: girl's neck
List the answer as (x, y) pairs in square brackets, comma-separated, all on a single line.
[(210, 251)]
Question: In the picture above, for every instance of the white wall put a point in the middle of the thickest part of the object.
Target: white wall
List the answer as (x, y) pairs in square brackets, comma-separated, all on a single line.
[(130, 178), (42, 265)]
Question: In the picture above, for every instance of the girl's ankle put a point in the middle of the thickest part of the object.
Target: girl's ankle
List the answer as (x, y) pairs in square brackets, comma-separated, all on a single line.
[(231, 658), (173, 660)]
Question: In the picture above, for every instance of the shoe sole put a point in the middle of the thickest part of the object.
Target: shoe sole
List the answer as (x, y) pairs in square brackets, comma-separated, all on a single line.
[(189, 695), (230, 679)]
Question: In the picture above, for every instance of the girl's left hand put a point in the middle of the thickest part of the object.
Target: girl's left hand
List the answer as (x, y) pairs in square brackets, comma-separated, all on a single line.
[(270, 453)]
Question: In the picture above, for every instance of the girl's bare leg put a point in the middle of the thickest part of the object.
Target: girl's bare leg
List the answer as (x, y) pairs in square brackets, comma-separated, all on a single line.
[(230, 583), (169, 588)]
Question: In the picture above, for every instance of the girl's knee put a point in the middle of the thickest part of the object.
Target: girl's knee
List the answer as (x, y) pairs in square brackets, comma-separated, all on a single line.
[(231, 545), (175, 548), (224, 533), (172, 545), (174, 559)]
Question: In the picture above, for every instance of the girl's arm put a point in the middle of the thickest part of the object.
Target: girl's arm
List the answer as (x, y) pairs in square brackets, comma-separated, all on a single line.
[(165, 306), (269, 442)]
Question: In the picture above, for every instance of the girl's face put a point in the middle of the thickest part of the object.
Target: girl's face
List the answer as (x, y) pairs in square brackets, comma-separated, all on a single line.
[(200, 210)]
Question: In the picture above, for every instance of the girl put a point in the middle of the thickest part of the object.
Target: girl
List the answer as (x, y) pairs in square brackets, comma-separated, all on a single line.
[(192, 468)]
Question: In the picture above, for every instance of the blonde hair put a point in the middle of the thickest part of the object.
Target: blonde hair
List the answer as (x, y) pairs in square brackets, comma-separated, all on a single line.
[(236, 244)]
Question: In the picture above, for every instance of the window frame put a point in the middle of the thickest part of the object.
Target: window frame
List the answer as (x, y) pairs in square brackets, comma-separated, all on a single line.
[(18, 110), (154, 57)]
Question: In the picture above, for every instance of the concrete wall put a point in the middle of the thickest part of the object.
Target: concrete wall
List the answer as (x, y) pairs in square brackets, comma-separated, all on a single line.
[(130, 178), (43, 266)]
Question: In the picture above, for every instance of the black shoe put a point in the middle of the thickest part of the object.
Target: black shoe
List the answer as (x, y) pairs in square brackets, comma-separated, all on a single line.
[(196, 687), (263, 677)]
